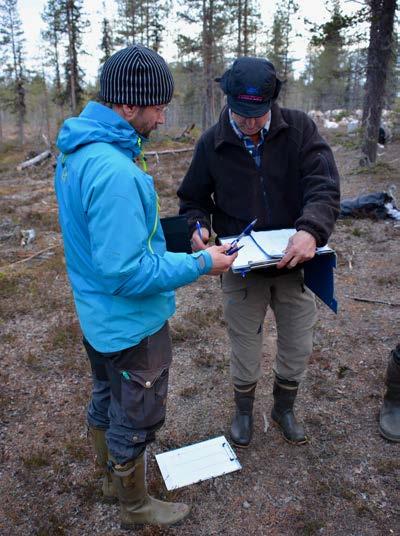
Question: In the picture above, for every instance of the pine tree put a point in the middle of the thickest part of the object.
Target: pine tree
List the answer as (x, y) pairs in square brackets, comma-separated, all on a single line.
[(245, 17), (106, 44), (393, 76), (329, 72), (380, 50), (208, 47), (53, 35), (73, 22), (355, 68), (142, 21), (278, 51), (12, 46)]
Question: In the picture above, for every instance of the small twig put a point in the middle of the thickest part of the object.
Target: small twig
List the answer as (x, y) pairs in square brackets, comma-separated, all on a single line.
[(266, 423), (382, 302), (29, 258)]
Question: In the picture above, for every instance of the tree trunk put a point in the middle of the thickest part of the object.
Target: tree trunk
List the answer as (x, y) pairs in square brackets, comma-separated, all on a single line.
[(246, 28), (208, 55), (71, 57), (239, 26), (379, 52)]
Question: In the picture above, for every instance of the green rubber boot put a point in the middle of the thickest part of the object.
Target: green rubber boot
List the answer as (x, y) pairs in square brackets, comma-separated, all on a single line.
[(97, 438), (136, 505)]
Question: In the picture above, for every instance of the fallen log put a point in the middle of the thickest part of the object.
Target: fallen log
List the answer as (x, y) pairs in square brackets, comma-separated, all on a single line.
[(169, 151), (36, 160)]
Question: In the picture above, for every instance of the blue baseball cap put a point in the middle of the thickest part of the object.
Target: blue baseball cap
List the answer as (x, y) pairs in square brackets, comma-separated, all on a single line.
[(251, 86)]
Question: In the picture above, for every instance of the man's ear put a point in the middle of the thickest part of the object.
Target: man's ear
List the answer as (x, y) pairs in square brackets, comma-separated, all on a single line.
[(129, 111)]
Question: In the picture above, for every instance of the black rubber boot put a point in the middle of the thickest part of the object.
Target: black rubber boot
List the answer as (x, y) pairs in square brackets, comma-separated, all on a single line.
[(389, 419), (242, 423), (285, 393)]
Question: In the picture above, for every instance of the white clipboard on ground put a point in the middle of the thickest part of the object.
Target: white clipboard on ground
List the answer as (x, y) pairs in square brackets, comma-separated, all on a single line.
[(198, 462)]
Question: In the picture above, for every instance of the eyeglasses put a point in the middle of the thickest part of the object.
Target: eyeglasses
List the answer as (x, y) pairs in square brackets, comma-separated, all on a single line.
[(161, 109)]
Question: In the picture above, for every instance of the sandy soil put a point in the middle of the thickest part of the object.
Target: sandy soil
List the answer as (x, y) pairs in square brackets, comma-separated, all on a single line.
[(346, 481)]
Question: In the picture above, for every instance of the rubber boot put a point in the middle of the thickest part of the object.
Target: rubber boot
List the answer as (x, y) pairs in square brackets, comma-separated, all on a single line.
[(389, 418), (242, 423), (136, 505), (285, 393), (98, 440)]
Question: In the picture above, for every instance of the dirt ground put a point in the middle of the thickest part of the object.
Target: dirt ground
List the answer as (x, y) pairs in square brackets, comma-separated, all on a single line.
[(345, 481)]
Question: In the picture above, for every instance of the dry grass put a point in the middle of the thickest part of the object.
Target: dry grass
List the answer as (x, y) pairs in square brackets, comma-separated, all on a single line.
[(335, 483)]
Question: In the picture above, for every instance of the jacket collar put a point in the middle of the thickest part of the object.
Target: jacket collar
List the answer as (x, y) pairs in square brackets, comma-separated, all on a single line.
[(224, 132)]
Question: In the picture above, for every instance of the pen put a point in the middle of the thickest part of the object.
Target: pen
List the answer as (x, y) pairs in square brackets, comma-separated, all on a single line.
[(232, 251), (198, 226), (245, 232)]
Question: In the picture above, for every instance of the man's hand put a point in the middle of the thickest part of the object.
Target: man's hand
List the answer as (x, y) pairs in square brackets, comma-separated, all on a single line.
[(221, 261), (301, 247), (197, 243)]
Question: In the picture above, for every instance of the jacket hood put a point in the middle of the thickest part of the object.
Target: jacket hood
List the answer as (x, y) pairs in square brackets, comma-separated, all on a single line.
[(98, 123)]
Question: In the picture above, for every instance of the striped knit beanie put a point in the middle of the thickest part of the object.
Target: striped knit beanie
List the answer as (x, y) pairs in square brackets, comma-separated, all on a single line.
[(136, 75)]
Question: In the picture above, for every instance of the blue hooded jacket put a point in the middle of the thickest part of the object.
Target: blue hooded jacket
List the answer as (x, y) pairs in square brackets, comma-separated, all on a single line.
[(121, 275)]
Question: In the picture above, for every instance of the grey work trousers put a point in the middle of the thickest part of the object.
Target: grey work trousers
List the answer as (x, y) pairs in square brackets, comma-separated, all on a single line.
[(129, 393), (246, 300)]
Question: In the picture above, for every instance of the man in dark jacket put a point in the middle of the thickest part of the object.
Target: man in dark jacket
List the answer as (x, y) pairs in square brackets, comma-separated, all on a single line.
[(270, 163)]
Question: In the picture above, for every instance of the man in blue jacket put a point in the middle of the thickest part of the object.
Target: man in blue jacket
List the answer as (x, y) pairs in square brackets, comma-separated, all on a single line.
[(122, 277)]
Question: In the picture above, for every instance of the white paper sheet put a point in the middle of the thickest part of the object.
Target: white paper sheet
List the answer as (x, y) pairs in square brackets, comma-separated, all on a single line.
[(273, 244), (198, 462)]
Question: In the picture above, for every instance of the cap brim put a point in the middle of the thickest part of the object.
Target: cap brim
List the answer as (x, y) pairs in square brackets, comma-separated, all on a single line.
[(248, 109)]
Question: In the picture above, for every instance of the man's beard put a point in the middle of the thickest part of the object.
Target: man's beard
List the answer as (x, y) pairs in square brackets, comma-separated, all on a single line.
[(145, 133)]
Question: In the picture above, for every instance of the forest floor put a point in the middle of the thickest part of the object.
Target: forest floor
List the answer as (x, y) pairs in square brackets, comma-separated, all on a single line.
[(345, 481)]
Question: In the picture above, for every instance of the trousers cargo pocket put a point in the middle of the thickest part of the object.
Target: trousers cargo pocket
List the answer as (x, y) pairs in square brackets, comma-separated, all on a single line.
[(144, 396)]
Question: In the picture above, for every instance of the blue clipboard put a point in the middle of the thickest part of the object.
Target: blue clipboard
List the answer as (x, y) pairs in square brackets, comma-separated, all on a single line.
[(319, 278)]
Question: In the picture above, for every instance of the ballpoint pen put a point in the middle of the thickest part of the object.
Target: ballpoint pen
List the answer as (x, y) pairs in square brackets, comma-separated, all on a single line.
[(232, 251), (198, 227), (245, 232)]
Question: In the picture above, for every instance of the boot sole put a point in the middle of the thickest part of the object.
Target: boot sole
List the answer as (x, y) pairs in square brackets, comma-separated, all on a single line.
[(389, 437), (130, 526), (295, 443), (240, 446)]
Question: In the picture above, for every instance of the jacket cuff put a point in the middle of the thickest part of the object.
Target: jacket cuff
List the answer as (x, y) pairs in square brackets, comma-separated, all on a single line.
[(203, 261), (318, 239)]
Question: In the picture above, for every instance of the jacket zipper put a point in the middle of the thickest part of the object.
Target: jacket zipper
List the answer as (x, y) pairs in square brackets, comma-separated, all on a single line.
[(265, 199), (153, 232)]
